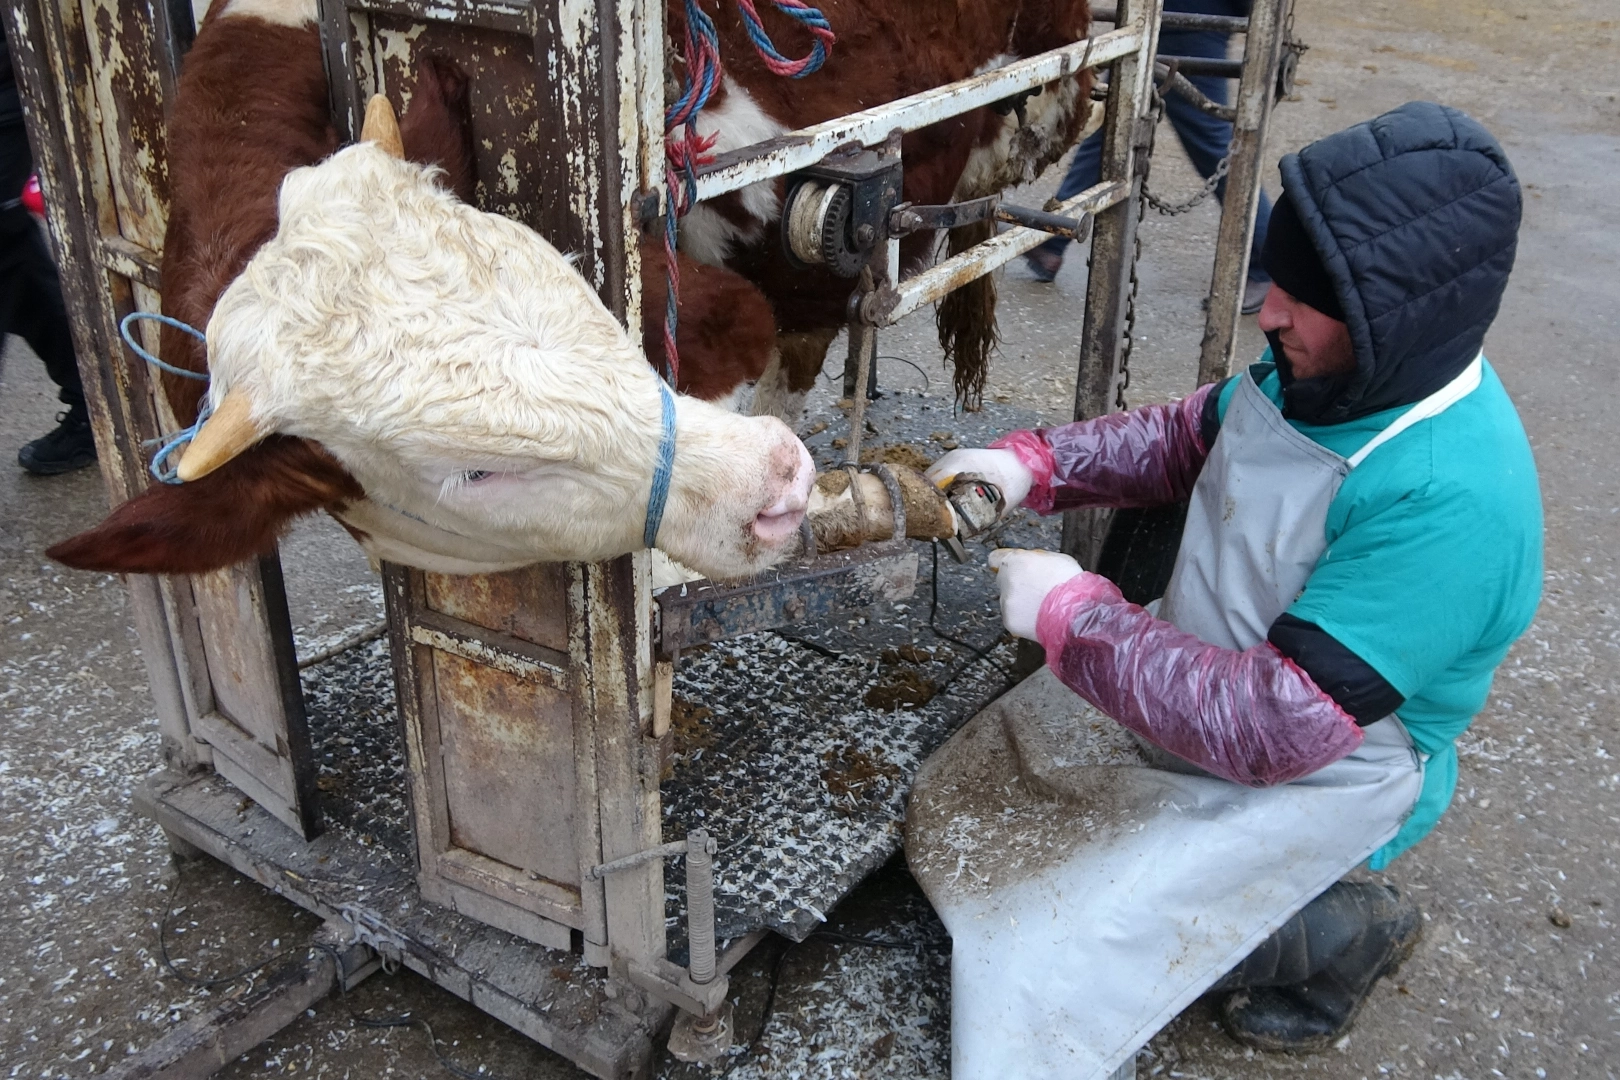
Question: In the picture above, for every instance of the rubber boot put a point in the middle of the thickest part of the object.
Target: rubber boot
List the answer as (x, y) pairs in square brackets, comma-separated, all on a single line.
[(1302, 988)]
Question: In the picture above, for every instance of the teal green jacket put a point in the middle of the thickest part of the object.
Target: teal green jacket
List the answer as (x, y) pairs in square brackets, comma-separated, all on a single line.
[(1433, 566)]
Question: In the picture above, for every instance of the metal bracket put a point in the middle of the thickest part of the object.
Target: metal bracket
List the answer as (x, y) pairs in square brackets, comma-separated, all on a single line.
[(667, 982), (700, 612), (367, 928)]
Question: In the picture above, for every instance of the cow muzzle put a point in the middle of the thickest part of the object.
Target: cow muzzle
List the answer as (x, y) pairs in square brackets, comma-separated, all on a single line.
[(780, 521)]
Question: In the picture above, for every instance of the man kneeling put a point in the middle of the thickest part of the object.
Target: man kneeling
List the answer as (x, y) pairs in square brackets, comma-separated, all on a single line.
[(1363, 545)]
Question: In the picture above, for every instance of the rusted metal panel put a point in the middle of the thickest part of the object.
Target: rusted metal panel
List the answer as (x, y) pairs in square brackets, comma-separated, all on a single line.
[(508, 750), (795, 150), (530, 604), (258, 724), (703, 612), (489, 731), (127, 79), (1262, 54)]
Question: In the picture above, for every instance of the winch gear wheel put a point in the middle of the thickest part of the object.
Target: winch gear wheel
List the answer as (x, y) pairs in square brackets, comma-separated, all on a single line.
[(818, 228)]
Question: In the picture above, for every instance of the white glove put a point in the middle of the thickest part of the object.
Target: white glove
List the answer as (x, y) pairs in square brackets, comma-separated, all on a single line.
[(1000, 467), (1025, 577)]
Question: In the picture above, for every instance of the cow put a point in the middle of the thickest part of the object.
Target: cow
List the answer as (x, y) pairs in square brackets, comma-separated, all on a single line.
[(886, 49), (437, 378)]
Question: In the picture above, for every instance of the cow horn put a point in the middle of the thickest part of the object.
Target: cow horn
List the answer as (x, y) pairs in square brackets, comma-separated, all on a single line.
[(381, 127), (225, 434)]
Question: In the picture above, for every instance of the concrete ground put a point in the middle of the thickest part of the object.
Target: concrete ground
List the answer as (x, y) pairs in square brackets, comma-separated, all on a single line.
[(1517, 973)]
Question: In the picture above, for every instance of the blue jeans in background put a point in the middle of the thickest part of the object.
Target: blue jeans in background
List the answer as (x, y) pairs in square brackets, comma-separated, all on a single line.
[(1204, 137)]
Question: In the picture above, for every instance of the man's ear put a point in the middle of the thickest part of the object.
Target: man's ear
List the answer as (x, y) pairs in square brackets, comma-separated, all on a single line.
[(234, 513)]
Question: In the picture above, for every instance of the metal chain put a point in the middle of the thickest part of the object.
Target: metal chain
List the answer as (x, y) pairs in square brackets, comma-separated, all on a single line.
[(1143, 163), (1171, 209)]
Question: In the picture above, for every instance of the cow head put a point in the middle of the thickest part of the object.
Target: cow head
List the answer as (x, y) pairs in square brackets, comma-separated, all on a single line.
[(471, 382)]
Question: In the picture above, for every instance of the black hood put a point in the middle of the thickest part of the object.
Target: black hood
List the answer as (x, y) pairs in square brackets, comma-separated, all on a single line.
[(1415, 214)]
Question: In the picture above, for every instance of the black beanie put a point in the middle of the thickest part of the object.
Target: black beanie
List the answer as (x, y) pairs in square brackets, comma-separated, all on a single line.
[(1293, 263)]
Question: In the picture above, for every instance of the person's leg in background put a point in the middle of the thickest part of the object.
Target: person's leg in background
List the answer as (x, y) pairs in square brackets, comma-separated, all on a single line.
[(1084, 171), (31, 307), (1207, 139)]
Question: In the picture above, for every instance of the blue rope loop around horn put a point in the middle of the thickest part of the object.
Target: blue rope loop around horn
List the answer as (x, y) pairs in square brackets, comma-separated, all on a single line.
[(161, 470)]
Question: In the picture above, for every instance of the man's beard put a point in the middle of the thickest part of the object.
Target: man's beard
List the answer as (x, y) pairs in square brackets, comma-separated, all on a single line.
[(1319, 400)]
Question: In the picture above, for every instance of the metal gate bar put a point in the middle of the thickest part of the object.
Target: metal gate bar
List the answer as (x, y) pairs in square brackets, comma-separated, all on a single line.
[(736, 169)]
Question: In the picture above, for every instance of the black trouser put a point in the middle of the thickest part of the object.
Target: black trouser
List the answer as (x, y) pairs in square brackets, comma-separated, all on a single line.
[(30, 290)]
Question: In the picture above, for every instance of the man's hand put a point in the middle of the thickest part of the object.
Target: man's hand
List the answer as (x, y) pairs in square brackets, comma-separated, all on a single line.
[(1000, 467), (1025, 577)]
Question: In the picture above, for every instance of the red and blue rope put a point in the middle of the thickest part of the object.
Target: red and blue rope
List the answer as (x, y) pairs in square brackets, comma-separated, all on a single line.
[(684, 154), (811, 18)]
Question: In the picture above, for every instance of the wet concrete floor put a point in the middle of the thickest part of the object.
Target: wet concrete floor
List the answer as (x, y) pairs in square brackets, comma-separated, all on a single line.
[(1516, 976)]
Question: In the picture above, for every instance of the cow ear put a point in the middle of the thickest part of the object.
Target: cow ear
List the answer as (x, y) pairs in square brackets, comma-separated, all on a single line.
[(234, 513), (167, 529)]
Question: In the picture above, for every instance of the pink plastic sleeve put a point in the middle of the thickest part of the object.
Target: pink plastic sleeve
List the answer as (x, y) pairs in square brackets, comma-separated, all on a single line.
[(1036, 456), (1149, 456), (1252, 717)]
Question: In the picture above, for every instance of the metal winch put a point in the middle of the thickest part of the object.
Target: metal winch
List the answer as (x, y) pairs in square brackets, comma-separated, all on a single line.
[(836, 211)]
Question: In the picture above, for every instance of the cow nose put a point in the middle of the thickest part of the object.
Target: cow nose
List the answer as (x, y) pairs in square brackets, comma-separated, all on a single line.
[(781, 519)]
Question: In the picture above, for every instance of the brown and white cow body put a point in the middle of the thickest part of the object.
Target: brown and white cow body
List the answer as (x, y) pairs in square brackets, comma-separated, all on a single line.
[(390, 342), (886, 49)]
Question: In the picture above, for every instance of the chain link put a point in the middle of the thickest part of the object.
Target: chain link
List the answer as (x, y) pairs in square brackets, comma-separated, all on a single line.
[(1171, 209), (1142, 163)]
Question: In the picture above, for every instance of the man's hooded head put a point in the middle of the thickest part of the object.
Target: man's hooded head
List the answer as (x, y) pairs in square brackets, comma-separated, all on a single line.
[(1405, 229)]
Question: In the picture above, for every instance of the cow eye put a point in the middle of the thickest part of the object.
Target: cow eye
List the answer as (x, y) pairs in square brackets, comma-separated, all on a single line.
[(472, 476)]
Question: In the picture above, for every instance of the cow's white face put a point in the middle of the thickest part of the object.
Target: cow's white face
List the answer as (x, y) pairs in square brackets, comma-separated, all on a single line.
[(472, 382)]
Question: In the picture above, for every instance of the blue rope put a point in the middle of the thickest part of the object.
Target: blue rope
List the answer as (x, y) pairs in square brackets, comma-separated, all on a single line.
[(160, 469), (661, 471), (147, 316)]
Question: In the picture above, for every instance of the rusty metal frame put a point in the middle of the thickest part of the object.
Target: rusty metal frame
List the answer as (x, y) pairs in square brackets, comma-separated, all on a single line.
[(595, 70), (1127, 134), (704, 612), (1257, 92), (874, 127), (794, 150)]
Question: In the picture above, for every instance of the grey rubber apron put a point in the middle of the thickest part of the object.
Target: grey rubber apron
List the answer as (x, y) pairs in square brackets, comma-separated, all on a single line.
[(1139, 886)]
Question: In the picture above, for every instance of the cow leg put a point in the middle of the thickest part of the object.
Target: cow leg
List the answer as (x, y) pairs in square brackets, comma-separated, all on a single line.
[(791, 374)]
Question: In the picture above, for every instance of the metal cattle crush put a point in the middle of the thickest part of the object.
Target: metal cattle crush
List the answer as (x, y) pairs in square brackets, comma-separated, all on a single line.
[(561, 672)]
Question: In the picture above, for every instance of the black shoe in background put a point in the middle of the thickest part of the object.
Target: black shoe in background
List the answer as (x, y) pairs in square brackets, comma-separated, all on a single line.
[(69, 447)]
